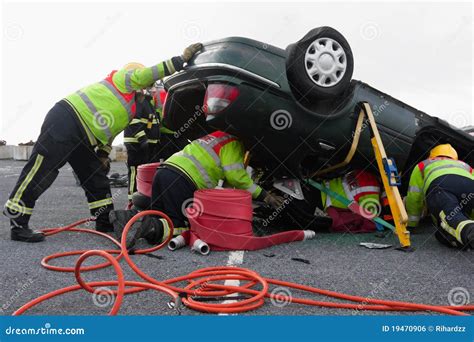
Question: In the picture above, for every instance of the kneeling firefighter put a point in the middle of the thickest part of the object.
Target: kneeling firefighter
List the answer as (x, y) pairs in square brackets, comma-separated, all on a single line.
[(79, 130), (357, 185), (446, 185), (200, 165)]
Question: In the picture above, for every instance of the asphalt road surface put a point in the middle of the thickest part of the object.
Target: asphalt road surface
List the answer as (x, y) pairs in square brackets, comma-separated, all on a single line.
[(432, 274)]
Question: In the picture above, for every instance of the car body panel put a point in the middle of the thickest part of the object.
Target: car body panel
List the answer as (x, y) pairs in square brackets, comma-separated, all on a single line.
[(316, 137)]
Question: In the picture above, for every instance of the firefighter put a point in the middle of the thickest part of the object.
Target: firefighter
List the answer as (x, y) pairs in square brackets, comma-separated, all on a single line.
[(200, 165), (361, 186), (170, 141), (141, 138), (446, 185), (79, 130)]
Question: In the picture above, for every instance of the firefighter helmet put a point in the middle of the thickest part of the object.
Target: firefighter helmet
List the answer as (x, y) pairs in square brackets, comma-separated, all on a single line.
[(133, 66), (444, 150)]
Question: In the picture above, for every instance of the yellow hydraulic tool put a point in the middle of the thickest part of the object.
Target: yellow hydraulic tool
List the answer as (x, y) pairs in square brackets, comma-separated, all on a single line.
[(390, 180), (388, 173)]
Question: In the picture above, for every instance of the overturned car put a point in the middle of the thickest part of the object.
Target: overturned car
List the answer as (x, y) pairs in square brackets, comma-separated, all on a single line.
[(297, 110)]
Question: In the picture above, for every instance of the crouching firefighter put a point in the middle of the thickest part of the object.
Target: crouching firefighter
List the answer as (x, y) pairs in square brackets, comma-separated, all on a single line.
[(141, 138), (200, 165), (79, 130), (357, 185), (446, 185)]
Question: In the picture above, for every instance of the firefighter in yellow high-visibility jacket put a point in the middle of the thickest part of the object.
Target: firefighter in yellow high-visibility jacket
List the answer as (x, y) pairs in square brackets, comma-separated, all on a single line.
[(79, 130), (446, 185), (200, 165)]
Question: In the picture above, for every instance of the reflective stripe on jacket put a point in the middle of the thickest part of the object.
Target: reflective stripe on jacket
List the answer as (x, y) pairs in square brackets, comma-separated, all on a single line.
[(423, 175), (358, 185), (145, 125), (105, 108), (213, 157)]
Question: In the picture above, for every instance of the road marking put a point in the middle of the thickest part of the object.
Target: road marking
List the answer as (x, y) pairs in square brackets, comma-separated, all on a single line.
[(236, 258)]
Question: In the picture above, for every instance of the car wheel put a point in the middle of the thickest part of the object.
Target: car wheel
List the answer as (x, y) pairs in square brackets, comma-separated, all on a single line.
[(320, 65)]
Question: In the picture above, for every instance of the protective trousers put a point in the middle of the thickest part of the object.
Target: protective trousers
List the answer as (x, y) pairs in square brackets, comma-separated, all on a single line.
[(62, 140), (172, 192), (450, 201)]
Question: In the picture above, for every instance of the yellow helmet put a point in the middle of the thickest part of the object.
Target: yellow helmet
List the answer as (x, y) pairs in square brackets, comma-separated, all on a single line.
[(444, 150), (133, 66)]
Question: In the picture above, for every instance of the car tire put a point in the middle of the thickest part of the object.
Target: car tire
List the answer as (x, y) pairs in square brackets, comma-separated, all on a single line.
[(320, 65)]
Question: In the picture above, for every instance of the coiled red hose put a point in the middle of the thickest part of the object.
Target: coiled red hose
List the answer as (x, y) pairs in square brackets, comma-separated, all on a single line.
[(223, 219), (206, 282)]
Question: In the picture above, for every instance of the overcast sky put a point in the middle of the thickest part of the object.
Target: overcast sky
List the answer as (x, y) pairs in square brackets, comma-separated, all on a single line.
[(419, 53)]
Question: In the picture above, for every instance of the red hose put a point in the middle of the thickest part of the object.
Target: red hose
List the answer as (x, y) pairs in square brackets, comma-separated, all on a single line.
[(206, 282), (223, 219)]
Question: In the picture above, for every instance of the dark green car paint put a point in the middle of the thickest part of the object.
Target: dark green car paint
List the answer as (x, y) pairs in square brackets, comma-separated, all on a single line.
[(258, 70)]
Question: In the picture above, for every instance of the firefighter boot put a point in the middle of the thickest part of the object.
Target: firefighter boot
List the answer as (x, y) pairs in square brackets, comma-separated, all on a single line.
[(21, 232), (467, 234), (103, 224), (147, 227)]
